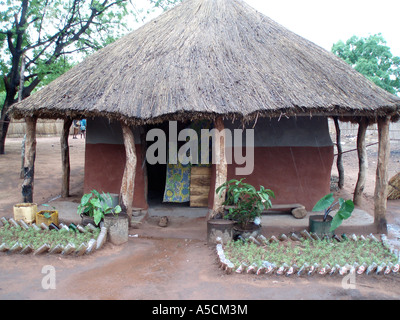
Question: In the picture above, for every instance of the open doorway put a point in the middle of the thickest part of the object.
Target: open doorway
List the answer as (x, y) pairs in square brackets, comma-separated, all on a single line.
[(160, 175)]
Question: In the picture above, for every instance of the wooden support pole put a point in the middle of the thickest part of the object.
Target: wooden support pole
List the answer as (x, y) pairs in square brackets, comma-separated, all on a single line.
[(381, 181), (362, 162), (66, 169), (29, 161), (339, 160), (221, 167), (143, 145), (22, 173), (128, 179)]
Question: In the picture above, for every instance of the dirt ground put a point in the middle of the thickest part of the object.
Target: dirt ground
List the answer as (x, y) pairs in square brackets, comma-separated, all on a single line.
[(163, 263)]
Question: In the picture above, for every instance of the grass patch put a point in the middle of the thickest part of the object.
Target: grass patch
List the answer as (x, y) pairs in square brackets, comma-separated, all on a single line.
[(307, 251), (10, 235)]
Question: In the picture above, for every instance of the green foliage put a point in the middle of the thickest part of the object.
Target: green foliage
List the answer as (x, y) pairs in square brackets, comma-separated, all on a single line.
[(2, 98), (327, 204), (53, 35), (371, 57), (36, 238), (324, 203), (164, 4), (47, 214), (247, 201), (97, 205), (322, 252)]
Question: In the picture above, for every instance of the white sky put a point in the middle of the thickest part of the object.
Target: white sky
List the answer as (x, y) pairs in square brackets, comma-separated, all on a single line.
[(325, 22)]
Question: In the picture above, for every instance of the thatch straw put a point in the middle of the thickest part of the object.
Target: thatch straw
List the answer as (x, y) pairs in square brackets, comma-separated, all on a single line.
[(394, 187), (205, 58)]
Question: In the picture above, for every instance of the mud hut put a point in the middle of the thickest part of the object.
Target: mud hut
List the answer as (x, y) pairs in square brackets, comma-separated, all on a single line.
[(222, 61)]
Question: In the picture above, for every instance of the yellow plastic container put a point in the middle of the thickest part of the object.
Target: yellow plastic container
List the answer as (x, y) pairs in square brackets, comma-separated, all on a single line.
[(25, 211), (47, 221)]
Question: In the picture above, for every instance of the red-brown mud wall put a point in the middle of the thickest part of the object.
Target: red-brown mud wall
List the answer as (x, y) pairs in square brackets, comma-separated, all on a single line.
[(105, 159), (104, 168), (295, 174)]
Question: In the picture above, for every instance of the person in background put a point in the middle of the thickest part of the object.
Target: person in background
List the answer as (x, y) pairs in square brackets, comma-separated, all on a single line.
[(83, 128), (76, 125)]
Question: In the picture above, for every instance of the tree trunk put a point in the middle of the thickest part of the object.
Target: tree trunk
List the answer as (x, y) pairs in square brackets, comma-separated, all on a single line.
[(381, 182), (339, 161), (221, 167), (362, 162), (22, 173), (4, 124), (30, 155), (66, 168), (128, 179)]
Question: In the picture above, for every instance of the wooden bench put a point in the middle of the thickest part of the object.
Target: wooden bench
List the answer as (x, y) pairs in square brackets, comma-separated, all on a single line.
[(297, 210)]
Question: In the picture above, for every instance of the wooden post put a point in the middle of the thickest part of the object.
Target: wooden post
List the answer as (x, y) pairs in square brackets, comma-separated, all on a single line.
[(128, 179), (339, 161), (221, 167), (29, 161), (22, 173), (362, 162), (21, 89), (66, 169), (143, 145), (381, 182)]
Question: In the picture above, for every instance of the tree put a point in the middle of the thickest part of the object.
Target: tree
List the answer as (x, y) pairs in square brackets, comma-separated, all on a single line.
[(371, 57), (42, 35), (164, 4)]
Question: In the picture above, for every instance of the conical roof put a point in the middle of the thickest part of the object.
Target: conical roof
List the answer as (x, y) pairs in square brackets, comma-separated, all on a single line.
[(205, 58)]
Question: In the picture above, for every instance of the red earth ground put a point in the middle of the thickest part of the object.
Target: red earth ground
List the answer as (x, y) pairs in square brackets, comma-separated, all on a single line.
[(161, 263)]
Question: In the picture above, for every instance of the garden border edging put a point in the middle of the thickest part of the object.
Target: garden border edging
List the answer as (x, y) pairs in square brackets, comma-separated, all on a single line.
[(270, 268), (70, 249)]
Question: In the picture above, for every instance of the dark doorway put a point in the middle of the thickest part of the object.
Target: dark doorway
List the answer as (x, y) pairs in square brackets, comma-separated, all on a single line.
[(156, 173)]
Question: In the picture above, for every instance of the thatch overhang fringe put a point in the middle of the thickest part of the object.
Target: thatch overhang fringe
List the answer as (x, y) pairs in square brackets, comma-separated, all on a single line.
[(349, 116), (206, 58)]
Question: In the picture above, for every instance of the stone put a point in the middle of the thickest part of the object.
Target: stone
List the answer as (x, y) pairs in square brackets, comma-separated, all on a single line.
[(163, 221), (117, 228), (299, 213)]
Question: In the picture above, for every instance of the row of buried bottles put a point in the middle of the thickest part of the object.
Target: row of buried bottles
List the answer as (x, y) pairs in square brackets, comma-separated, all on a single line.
[(83, 248), (51, 226), (71, 227), (310, 236), (314, 236), (306, 269), (309, 269)]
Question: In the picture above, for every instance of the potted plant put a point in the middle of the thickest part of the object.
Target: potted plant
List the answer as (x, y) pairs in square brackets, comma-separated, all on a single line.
[(245, 204), (326, 224), (95, 206), (47, 216)]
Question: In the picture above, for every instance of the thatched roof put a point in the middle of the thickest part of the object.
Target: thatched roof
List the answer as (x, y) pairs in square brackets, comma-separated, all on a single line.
[(204, 58)]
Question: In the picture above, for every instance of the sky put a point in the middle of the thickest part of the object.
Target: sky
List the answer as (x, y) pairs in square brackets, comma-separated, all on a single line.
[(325, 22)]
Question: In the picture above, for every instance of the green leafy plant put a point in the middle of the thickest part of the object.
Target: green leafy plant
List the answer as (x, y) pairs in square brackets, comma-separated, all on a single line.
[(327, 204), (10, 235), (309, 251), (248, 203), (96, 205), (47, 214)]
